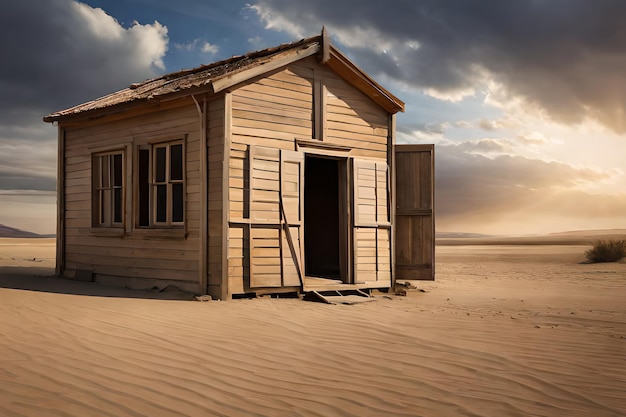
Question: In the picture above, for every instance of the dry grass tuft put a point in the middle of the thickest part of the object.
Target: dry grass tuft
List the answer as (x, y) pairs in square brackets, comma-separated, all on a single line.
[(607, 251)]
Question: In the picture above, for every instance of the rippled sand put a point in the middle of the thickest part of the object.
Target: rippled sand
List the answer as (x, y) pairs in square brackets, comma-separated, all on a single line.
[(504, 331)]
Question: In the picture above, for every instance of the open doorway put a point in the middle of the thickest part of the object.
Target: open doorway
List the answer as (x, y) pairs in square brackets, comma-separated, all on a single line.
[(323, 238)]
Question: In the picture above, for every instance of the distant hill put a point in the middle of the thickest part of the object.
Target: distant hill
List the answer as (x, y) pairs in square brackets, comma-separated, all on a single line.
[(601, 233), (576, 237), (458, 235), (6, 231)]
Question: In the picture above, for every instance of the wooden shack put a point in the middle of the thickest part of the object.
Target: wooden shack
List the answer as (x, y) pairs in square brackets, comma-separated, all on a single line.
[(264, 173)]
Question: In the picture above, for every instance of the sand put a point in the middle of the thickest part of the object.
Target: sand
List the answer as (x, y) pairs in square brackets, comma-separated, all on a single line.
[(504, 331)]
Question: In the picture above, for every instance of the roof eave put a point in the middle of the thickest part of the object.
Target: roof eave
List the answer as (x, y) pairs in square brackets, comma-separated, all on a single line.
[(56, 116), (359, 79), (100, 112)]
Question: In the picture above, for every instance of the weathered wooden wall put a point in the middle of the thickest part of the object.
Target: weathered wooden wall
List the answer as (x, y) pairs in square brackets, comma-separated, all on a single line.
[(138, 254), (352, 119), (270, 112), (217, 158), (245, 148), (303, 101)]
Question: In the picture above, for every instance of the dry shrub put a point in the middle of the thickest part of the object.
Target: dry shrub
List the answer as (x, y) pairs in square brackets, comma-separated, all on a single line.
[(607, 251)]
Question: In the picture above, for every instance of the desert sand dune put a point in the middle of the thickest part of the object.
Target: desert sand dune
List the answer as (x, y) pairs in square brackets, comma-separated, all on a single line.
[(504, 331)]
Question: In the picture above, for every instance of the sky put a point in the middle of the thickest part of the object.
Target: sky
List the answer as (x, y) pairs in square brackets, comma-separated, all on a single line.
[(524, 100)]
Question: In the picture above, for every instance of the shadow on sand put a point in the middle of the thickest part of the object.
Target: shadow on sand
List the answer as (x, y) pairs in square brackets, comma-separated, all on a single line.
[(43, 279)]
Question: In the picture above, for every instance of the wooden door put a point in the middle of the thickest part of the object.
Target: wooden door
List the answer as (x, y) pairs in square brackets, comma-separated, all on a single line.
[(415, 216), (275, 228), (372, 228)]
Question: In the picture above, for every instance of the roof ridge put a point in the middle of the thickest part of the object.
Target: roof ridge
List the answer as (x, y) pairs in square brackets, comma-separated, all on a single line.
[(235, 58)]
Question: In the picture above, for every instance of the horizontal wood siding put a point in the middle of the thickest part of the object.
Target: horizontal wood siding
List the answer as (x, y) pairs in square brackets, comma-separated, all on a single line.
[(365, 254), (238, 182), (352, 118), (238, 259), (372, 230), (291, 277), (146, 254), (272, 112), (265, 257), (383, 248), (264, 185), (346, 129)]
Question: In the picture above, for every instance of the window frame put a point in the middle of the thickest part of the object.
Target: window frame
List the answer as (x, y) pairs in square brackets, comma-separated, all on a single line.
[(168, 182), (101, 217), (154, 181)]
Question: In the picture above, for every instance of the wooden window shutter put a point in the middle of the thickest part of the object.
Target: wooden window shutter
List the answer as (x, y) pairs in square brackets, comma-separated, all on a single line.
[(265, 236), (276, 227), (291, 191), (365, 193), (415, 214), (264, 184), (372, 229)]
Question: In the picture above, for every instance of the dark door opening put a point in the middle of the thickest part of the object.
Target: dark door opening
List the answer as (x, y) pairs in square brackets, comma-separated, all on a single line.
[(322, 217)]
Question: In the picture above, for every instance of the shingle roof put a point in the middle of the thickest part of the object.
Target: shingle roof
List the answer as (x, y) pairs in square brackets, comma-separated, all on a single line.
[(190, 79), (180, 80)]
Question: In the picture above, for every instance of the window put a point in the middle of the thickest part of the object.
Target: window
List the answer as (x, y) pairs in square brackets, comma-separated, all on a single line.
[(161, 185), (108, 189)]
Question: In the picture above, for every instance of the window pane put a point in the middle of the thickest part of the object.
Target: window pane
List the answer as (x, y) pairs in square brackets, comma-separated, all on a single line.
[(177, 203), (117, 170), (159, 175), (105, 208), (161, 203), (98, 207), (176, 162), (117, 205), (144, 187), (104, 171), (96, 172)]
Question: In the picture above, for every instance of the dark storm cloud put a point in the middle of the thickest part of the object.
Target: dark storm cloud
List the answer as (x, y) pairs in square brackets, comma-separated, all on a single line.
[(26, 181), (565, 56), (28, 164), (57, 53)]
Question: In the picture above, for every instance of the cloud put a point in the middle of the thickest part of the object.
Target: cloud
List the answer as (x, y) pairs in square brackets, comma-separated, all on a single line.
[(282, 22), (515, 193), (564, 57), (198, 45), (67, 53), (57, 54), (426, 130), (26, 165)]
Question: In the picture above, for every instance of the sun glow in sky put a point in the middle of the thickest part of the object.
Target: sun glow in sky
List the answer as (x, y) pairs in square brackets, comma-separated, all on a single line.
[(525, 101)]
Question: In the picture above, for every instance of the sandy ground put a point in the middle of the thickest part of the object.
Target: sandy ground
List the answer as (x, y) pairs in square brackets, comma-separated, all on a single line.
[(504, 331)]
